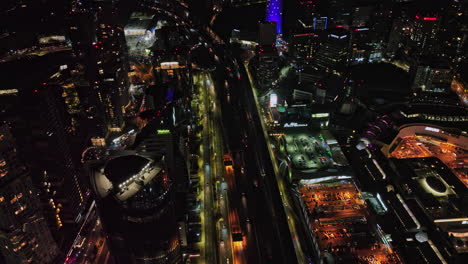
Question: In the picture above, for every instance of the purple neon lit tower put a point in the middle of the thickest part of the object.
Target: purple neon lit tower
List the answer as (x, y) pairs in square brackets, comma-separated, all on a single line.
[(274, 13)]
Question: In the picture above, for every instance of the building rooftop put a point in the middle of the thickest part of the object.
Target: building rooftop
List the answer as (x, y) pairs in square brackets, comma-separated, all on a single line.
[(313, 154), (435, 186), (342, 226), (119, 169), (421, 141)]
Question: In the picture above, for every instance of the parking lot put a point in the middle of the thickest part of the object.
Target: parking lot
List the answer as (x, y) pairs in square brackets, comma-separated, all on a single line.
[(340, 221)]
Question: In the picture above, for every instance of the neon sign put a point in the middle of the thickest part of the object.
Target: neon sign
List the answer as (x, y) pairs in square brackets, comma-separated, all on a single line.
[(163, 131), (294, 124)]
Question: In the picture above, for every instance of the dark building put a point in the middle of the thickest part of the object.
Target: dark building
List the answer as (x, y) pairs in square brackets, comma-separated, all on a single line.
[(41, 117), (425, 33), (24, 234), (136, 201), (112, 65), (267, 62), (302, 16), (432, 74), (364, 48), (428, 201), (339, 12), (333, 52), (304, 46), (267, 33)]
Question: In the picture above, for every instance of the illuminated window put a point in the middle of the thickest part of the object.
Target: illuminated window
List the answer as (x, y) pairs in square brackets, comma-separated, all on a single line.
[(3, 168), (18, 196)]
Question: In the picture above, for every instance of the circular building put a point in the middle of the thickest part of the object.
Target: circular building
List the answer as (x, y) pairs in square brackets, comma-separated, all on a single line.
[(136, 205)]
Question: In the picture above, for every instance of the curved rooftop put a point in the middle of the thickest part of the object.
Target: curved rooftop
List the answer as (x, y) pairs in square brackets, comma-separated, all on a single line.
[(436, 184), (119, 169)]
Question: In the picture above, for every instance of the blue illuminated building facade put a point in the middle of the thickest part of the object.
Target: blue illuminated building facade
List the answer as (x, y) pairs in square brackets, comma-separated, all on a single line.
[(274, 13)]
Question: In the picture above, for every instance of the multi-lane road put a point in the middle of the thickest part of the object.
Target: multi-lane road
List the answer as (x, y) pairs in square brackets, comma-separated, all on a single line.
[(255, 194)]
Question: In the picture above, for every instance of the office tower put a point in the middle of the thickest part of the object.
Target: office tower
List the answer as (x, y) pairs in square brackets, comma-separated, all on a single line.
[(432, 74), (332, 53), (425, 33), (81, 102), (24, 234), (41, 119), (320, 23), (361, 15), (99, 46), (136, 200), (274, 13), (304, 46), (363, 47), (360, 46), (339, 12), (267, 33), (395, 38), (267, 70), (81, 23), (112, 65)]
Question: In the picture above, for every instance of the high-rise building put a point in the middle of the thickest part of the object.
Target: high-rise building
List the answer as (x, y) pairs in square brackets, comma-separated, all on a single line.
[(41, 115), (99, 44), (136, 200), (267, 70), (395, 38), (363, 48), (432, 75), (304, 46), (361, 15), (425, 33), (112, 65), (332, 53), (24, 234), (267, 33), (320, 23), (340, 12)]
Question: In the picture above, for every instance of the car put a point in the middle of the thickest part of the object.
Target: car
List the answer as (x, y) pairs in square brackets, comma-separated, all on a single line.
[(255, 183)]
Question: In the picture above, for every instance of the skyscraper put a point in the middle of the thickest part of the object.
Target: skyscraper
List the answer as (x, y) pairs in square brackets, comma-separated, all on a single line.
[(333, 52), (267, 33), (432, 75), (425, 33), (24, 234), (112, 64), (41, 120), (136, 201), (267, 66), (304, 46)]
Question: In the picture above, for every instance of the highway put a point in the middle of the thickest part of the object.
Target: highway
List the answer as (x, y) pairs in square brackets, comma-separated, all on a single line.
[(91, 246), (293, 219), (209, 227), (254, 195)]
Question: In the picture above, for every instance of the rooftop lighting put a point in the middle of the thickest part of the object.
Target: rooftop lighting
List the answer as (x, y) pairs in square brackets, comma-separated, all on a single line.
[(464, 220), (8, 91)]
